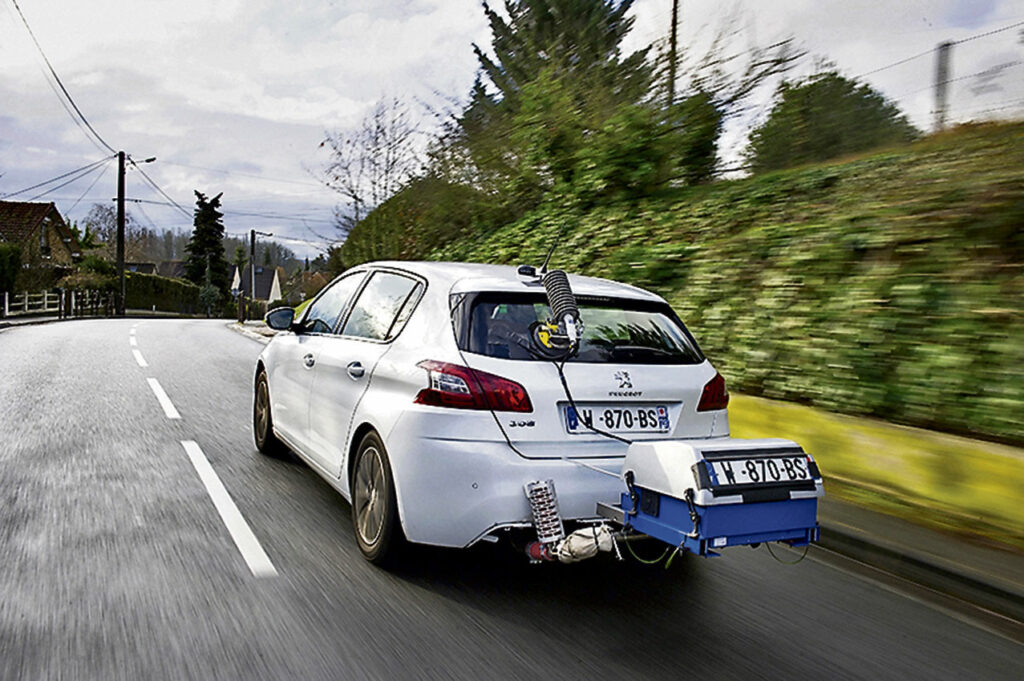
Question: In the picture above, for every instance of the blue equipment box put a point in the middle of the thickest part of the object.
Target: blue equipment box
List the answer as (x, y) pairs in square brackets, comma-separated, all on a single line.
[(704, 495)]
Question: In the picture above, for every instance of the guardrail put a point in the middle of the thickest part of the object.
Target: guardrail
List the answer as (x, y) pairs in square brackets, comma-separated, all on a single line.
[(62, 302)]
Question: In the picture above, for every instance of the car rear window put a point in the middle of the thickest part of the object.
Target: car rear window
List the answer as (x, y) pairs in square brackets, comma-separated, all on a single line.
[(615, 330)]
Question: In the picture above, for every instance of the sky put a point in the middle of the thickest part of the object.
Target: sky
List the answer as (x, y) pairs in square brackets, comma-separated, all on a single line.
[(235, 96)]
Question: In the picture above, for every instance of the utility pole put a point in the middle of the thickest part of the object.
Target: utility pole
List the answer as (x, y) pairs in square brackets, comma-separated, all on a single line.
[(673, 53), (252, 264), (252, 261), (942, 79), (120, 233)]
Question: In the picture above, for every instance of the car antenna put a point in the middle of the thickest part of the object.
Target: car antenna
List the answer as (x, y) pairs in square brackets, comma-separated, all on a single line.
[(544, 267)]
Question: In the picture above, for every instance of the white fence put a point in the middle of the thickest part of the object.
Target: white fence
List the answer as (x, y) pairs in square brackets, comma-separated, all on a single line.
[(61, 303)]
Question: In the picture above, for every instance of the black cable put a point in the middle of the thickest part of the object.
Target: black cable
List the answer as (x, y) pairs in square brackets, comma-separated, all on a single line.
[(57, 78), (572, 403), (275, 216), (994, 70), (930, 50), (241, 174), (59, 177), (987, 33), (65, 183), (89, 189), (155, 186), (896, 63)]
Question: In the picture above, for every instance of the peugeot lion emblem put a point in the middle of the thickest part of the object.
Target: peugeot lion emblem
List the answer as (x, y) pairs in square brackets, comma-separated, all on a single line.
[(623, 378)]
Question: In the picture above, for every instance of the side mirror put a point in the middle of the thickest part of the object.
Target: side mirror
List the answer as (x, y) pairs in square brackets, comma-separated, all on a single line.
[(280, 319)]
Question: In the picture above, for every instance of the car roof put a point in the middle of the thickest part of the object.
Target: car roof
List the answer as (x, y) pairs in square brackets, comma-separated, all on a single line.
[(464, 277)]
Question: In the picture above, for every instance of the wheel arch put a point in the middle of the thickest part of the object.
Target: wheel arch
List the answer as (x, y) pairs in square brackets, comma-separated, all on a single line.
[(358, 434)]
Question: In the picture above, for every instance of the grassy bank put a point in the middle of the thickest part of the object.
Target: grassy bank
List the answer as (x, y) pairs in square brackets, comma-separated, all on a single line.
[(889, 286), (953, 483)]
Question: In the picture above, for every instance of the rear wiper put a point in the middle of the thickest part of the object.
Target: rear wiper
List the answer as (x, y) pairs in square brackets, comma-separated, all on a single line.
[(640, 350)]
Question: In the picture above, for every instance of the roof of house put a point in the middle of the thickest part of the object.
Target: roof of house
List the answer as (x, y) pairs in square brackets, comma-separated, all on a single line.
[(264, 281), (141, 267), (19, 219), (171, 268)]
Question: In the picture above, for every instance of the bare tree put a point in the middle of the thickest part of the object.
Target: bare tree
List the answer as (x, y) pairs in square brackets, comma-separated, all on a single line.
[(373, 162)]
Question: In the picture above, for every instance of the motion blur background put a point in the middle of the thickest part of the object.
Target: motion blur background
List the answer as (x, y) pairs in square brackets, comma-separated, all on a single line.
[(831, 196)]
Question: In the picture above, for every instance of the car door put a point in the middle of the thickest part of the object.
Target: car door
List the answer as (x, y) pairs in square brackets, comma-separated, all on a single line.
[(296, 353), (345, 367)]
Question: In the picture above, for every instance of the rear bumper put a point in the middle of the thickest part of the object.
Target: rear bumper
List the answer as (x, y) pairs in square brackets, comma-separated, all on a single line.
[(452, 492)]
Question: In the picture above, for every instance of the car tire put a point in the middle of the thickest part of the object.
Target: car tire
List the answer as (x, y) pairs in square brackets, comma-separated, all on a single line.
[(263, 421), (374, 503)]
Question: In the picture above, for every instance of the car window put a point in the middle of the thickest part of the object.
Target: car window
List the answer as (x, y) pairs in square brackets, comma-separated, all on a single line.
[(376, 311), (618, 331), (324, 312)]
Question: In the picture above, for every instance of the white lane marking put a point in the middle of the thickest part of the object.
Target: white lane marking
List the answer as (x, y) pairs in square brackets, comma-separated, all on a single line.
[(163, 399), (132, 332), (140, 359), (248, 545), (132, 341)]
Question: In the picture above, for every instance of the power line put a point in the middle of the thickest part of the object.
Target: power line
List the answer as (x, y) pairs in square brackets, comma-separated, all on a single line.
[(896, 63), (65, 183), (930, 50), (276, 216), (252, 175), (155, 186), (59, 177), (148, 219), (237, 213), (987, 33), (995, 70), (998, 106), (57, 78), (91, 185)]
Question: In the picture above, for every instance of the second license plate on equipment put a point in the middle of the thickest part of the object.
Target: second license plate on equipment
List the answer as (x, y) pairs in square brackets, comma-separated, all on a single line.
[(759, 470), (618, 418)]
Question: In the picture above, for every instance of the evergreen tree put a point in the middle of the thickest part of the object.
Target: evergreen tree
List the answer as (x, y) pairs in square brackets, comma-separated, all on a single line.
[(825, 116), (570, 38), (206, 247)]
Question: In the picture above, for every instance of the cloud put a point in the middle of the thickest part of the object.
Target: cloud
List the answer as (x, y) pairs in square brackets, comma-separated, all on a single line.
[(250, 86)]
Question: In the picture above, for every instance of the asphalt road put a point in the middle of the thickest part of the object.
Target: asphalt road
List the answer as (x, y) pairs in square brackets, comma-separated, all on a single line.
[(115, 564)]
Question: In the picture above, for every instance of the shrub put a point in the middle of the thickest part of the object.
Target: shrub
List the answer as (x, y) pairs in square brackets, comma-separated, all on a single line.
[(168, 295)]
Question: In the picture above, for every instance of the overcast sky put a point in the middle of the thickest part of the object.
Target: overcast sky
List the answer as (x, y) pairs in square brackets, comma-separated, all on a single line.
[(234, 96)]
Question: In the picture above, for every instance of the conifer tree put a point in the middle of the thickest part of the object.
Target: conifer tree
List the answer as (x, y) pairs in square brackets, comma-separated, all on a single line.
[(206, 247)]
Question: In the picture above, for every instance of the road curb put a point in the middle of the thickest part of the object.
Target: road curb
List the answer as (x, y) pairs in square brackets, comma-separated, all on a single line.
[(938, 578), (252, 335)]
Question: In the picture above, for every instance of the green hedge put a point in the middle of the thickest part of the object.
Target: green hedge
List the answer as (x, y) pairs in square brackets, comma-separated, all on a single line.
[(889, 286), (143, 291)]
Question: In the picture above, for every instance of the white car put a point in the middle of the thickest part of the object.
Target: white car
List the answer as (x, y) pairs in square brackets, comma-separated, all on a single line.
[(412, 388)]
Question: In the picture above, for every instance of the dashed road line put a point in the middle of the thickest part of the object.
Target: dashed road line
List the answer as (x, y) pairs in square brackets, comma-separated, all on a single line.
[(248, 545), (132, 341), (140, 359), (163, 399)]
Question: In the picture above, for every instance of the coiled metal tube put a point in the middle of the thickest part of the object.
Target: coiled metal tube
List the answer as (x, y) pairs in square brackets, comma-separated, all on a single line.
[(560, 295)]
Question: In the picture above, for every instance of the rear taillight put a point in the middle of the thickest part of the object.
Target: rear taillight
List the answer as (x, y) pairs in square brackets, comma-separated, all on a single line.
[(460, 387), (714, 396)]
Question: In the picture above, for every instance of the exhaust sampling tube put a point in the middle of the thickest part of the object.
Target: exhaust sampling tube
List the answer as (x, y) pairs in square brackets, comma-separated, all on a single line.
[(564, 309)]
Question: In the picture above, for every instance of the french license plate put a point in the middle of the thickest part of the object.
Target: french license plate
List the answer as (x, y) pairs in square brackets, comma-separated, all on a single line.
[(618, 419), (758, 471)]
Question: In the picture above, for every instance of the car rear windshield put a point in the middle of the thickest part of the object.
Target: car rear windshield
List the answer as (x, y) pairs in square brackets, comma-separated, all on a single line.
[(616, 330)]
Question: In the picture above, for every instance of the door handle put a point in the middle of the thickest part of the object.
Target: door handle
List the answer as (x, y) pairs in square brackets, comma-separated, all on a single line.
[(308, 360), (355, 370)]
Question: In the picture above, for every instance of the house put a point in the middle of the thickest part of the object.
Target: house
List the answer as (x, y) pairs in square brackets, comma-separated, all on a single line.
[(45, 239), (268, 283), (140, 267), (175, 269)]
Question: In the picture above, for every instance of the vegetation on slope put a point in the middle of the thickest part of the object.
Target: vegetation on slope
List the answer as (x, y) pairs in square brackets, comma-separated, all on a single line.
[(889, 285)]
